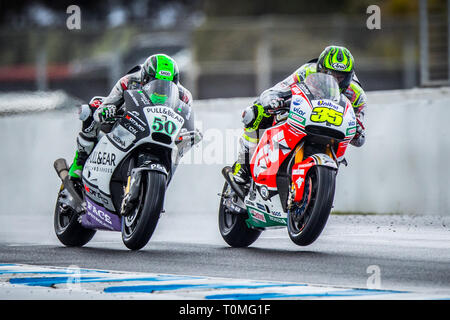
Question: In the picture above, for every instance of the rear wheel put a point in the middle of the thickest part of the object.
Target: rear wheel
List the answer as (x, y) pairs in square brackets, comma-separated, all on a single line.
[(67, 227), (307, 220), (232, 225), (139, 225)]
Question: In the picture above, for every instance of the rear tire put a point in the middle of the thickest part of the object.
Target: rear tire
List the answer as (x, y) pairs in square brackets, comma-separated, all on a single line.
[(139, 225), (307, 229), (232, 226), (67, 228)]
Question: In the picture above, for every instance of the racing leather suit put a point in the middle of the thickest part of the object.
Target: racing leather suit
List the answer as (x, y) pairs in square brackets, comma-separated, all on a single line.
[(88, 136), (256, 120)]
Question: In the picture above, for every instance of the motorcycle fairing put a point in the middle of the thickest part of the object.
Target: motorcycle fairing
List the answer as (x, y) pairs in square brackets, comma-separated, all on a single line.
[(279, 141), (97, 217), (264, 213), (300, 170), (273, 148), (99, 169), (136, 128)]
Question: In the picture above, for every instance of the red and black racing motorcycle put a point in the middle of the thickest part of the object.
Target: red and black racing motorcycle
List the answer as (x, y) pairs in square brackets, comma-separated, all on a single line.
[(293, 169)]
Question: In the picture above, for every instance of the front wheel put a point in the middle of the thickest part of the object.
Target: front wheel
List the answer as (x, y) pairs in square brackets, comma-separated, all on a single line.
[(305, 226), (139, 225), (232, 226)]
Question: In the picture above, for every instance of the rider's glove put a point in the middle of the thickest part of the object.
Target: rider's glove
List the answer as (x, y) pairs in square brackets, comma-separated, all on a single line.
[(105, 113), (275, 104), (360, 136)]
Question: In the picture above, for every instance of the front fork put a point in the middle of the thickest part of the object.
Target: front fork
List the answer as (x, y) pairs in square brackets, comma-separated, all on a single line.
[(301, 167), (132, 189)]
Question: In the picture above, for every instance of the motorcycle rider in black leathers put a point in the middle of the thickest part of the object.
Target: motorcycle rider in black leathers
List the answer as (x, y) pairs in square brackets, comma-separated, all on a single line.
[(103, 109), (334, 60)]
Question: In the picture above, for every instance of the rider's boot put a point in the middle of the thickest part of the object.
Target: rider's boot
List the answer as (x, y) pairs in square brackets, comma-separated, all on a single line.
[(241, 173), (87, 137), (77, 165), (85, 145), (241, 168)]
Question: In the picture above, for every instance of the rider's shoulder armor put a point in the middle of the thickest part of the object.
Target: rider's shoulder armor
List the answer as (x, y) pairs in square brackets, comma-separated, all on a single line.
[(305, 70), (134, 80), (135, 69), (356, 94), (184, 94)]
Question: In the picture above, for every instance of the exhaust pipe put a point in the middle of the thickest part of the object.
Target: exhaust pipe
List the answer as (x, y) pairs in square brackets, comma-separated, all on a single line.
[(62, 170), (227, 174)]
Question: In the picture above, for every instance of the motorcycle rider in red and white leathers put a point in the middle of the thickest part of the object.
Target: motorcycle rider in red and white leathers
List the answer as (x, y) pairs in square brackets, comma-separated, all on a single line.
[(334, 60), (102, 110)]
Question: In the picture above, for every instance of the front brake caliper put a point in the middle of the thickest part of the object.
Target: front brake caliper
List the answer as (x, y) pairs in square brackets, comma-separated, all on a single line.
[(131, 193)]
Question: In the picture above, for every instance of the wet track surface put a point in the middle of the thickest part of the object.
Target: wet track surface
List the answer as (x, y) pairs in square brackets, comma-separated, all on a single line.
[(409, 253)]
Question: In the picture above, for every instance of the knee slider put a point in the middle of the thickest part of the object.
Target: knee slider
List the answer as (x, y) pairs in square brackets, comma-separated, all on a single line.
[(85, 145)]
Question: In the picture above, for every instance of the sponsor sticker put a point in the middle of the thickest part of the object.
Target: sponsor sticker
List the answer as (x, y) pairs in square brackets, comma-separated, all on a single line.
[(103, 158), (331, 105), (299, 182), (351, 131), (277, 220), (298, 111), (297, 118), (339, 66), (165, 73), (123, 137), (257, 215), (159, 110), (98, 217), (97, 212)]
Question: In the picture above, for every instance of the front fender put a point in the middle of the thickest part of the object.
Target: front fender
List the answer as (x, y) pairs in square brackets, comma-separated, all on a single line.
[(153, 166), (134, 179), (300, 170)]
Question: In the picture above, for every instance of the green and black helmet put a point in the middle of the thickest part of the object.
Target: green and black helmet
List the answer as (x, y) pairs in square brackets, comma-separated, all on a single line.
[(339, 62), (160, 66)]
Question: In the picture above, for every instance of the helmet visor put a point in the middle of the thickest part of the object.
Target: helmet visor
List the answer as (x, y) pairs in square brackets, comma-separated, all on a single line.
[(162, 92), (343, 78)]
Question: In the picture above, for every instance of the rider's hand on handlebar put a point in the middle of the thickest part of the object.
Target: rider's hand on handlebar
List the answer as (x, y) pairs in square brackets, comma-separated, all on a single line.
[(105, 114), (274, 105)]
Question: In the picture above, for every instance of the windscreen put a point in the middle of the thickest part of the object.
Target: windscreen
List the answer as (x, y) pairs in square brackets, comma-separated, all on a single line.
[(323, 86), (162, 92)]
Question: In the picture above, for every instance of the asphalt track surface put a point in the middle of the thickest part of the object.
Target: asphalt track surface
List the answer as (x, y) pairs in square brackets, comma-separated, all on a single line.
[(408, 252)]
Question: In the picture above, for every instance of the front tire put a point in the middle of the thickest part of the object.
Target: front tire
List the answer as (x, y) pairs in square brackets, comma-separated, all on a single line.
[(319, 195), (68, 229), (232, 226), (139, 225)]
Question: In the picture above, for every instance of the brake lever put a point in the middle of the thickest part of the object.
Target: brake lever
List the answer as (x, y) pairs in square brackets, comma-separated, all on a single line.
[(195, 135)]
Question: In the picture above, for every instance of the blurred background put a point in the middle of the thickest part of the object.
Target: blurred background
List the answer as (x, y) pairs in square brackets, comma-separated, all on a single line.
[(227, 48), (228, 53)]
